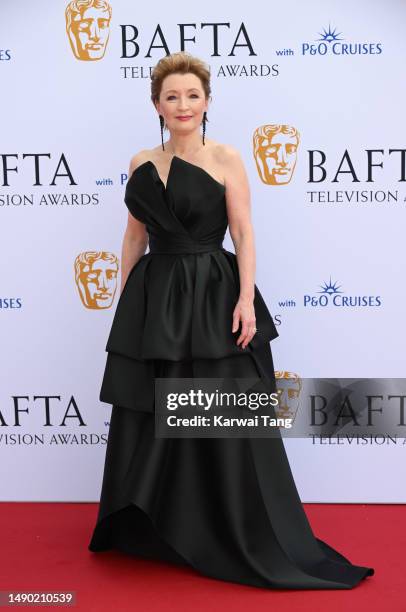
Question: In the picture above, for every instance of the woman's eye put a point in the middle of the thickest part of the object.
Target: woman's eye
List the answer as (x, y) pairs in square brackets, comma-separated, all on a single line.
[(192, 96)]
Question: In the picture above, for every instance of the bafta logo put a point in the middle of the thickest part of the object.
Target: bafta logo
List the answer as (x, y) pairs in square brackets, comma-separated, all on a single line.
[(88, 28), (275, 151), (96, 278), (289, 386)]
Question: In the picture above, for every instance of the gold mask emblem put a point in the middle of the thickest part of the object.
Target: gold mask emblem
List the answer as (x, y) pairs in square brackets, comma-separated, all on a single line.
[(275, 152), (96, 278), (289, 386), (88, 28)]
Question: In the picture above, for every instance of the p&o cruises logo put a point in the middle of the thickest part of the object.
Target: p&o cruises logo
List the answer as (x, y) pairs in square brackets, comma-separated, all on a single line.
[(332, 43), (331, 295)]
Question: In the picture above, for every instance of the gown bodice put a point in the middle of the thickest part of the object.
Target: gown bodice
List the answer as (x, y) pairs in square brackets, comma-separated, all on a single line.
[(178, 300), (188, 215)]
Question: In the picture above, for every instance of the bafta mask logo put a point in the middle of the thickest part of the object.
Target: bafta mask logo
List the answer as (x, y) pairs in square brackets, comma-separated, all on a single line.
[(96, 278), (88, 28), (275, 152), (289, 386)]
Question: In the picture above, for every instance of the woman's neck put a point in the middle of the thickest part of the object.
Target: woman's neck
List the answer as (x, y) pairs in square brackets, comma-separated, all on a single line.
[(187, 145)]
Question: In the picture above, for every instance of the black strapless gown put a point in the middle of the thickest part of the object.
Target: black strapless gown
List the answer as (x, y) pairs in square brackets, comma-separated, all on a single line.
[(227, 507)]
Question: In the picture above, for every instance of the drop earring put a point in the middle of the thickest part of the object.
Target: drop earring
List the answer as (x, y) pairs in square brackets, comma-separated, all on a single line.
[(204, 125), (162, 122)]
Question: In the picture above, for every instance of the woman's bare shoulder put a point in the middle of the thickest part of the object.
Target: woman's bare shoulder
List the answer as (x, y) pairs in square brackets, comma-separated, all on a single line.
[(229, 152), (229, 158), (226, 154), (140, 158)]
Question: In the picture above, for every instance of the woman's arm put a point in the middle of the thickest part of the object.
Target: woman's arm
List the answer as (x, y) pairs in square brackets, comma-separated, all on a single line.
[(135, 239), (242, 235)]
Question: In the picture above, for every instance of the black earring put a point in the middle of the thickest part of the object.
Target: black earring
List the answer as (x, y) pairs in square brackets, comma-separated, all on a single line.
[(162, 122), (204, 125)]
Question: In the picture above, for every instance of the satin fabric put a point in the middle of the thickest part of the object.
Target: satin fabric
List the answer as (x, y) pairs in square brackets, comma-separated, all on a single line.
[(229, 508)]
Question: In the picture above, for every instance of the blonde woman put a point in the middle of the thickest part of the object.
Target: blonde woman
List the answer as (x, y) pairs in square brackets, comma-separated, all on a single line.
[(228, 507)]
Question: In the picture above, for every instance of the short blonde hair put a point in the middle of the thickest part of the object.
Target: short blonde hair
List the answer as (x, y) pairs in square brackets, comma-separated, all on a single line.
[(180, 63)]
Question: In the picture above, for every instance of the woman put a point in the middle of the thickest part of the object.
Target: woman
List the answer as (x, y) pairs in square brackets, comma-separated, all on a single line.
[(189, 308)]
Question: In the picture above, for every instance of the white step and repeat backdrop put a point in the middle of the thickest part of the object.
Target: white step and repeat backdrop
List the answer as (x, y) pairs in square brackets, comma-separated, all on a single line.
[(318, 86)]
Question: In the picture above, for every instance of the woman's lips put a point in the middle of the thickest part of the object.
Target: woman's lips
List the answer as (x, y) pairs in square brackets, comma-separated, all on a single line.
[(183, 118)]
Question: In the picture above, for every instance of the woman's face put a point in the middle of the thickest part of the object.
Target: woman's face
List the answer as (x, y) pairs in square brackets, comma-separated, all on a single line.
[(182, 102)]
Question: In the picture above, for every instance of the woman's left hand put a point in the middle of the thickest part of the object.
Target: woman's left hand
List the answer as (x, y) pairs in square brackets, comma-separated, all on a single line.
[(244, 312)]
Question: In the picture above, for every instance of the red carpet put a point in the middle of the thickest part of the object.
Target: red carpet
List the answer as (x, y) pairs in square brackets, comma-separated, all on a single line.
[(44, 547)]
